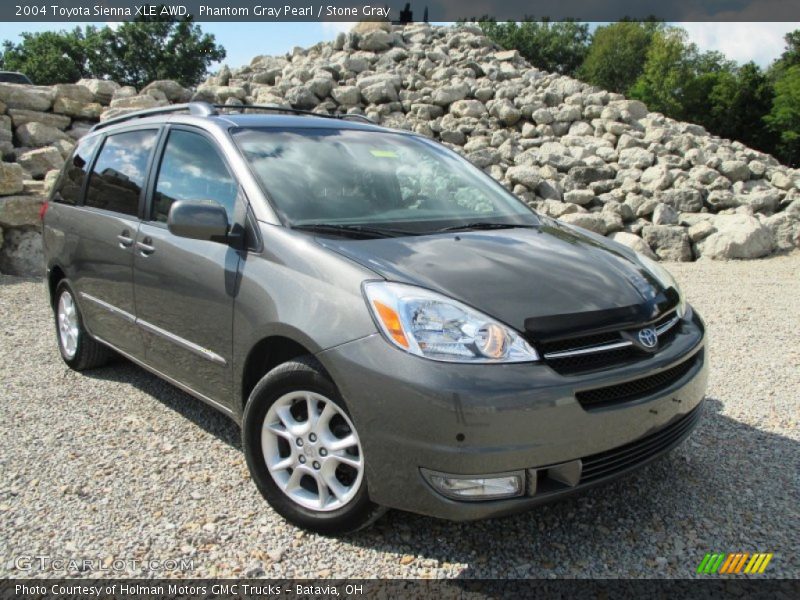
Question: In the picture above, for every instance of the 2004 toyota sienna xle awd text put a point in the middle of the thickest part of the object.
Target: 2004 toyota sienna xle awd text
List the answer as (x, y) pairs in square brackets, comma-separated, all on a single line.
[(389, 325)]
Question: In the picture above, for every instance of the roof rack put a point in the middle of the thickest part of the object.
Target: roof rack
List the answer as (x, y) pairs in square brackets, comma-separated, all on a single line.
[(205, 109), (200, 109), (294, 111)]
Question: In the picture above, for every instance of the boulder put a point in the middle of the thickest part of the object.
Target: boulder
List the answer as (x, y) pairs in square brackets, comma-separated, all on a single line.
[(136, 102), (172, 90), (634, 242), (663, 214), (375, 41), (635, 158), (20, 211), (301, 97), (20, 116), (524, 175), (700, 230), (380, 92), (765, 201), (506, 112), (38, 162), (669, 242), (586, 175), (102, 90), (21, 253), (591, 221), (737, 236), (11, 177), (785, 230), (35, 135), (446, 95), (468, 108), (681, 199), (735, 170), (579, 197), (27, 97), (368, 26), (346, 95)]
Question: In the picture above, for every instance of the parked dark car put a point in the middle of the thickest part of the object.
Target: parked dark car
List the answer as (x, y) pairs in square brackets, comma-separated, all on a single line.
[(14, 77), (389, 325)]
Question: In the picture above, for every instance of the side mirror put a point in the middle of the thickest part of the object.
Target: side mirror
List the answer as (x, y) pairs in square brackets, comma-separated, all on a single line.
[(198, 220)]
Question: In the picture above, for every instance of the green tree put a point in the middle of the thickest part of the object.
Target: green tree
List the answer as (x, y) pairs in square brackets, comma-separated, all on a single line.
[(666, 73), (784, 118), (47, 57), (790, 56), (738, 104), (142, 51), (554, 46), (617, 54), (134, 54)]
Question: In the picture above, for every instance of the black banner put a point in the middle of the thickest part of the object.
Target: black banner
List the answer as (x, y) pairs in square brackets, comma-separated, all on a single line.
[(400, 11), (141, 589)]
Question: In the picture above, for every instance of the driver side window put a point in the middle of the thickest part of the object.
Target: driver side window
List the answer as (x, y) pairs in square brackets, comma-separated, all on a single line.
[(192, 169)]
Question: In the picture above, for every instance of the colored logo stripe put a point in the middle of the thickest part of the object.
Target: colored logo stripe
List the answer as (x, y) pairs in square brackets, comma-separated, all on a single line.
[(734, 563), (711, 563), (758, 563)]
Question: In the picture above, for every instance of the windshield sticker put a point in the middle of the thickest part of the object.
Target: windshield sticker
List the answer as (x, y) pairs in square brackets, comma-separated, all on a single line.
[(383, 153)]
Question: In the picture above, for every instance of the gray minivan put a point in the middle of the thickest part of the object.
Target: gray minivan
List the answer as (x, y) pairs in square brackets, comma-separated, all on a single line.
[(390, 326)]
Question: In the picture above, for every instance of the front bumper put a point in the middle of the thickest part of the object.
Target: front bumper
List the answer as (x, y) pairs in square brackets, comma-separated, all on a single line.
[(413, 414)]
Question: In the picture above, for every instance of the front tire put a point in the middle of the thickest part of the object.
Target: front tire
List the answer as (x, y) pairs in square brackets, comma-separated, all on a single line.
[(304, 452), (76, 346)]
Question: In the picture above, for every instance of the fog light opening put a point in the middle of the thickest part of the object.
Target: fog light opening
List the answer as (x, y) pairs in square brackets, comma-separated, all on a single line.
[(477, 487)]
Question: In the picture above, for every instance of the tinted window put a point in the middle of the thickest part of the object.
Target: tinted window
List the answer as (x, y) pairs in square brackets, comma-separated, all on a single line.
[(119, 172), (10, 77), (74, 174), (192, 169)]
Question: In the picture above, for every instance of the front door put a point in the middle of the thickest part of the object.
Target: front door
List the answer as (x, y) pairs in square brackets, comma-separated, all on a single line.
[(185, 288)]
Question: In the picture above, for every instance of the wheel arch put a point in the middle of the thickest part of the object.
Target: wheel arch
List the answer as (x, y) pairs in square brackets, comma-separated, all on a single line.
[(54, 276), (265, 355)]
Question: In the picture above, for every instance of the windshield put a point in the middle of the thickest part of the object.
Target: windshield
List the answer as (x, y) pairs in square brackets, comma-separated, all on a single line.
[(344, 178)]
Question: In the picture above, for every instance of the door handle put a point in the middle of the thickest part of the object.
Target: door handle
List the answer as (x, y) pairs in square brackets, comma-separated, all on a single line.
[(145, 247), (125, 241)]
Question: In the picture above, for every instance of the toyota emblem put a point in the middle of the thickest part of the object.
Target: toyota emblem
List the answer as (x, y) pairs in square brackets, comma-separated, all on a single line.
[(648, 338)]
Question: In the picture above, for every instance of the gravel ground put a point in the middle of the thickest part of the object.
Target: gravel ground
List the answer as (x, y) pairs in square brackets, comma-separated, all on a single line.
[(116, 464)]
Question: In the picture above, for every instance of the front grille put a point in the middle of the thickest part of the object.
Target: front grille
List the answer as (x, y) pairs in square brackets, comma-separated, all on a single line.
[(605, 464), (570, 357), (637, 388), (580, 342)]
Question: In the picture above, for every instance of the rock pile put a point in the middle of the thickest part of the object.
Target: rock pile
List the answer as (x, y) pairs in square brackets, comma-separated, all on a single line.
[(572, 151)]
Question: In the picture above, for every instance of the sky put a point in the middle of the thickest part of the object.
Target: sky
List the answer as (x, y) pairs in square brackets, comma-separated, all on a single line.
[(742, 42)]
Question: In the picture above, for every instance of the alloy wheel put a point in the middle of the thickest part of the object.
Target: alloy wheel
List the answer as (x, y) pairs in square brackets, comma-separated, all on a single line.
[(68, 329), (312, 451)]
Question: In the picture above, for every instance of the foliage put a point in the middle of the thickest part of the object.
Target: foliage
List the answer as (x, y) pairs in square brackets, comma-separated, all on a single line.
[(617, 53), (135, 53), (784, 117), (139, 52), (48, 57), (556, 46)]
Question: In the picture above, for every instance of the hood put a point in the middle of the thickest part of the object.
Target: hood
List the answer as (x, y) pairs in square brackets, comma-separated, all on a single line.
[(551, 280)]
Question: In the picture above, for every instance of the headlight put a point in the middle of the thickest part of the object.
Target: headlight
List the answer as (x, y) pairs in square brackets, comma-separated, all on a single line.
[(665, 279), (434, 326)]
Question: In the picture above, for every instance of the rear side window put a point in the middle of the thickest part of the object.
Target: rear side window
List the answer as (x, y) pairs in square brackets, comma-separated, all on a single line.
[(119, 172), (74, 174), (192, 169)]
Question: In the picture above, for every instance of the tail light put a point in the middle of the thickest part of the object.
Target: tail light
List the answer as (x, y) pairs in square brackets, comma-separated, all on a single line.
[(43, 209)]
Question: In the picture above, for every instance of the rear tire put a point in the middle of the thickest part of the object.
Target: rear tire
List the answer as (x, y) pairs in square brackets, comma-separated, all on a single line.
[(303, 451), (77, 348)]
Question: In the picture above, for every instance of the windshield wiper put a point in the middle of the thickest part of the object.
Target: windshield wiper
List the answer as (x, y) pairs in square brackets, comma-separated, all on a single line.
[(352, 229), (484, 225)]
